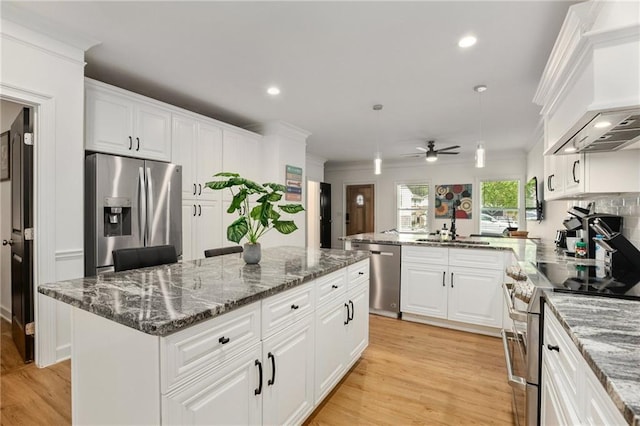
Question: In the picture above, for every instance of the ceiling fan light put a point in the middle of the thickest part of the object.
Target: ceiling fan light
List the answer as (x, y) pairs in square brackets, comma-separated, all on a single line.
[(431, 156), (480, 156)]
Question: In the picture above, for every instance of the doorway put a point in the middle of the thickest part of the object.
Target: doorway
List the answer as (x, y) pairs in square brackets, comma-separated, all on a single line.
[(16, 226), (360, 218)]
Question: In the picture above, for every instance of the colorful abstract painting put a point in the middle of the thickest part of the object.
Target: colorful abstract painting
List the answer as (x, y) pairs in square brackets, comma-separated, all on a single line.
[(445, 197)]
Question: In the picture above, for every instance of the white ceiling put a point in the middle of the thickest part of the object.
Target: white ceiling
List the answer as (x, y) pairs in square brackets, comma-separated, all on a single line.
[(333, 61)]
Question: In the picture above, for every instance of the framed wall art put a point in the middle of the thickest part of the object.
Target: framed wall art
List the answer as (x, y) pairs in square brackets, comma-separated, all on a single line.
[(446, 195), (4, 156)]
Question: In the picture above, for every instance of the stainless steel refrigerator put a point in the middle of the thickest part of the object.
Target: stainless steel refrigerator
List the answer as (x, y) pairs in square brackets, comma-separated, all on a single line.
[(129, 203)]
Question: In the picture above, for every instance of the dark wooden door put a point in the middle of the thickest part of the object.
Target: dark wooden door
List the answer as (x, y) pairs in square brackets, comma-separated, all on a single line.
[(325, 215), (21, 165), (360, 209)]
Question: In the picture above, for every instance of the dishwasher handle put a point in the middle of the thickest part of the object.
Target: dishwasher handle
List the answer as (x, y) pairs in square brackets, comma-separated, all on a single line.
[(382, 253)]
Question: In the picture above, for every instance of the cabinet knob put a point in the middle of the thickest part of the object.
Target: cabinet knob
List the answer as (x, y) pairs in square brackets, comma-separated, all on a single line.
[(294, 307), (334, 286), (223, 340), (360, 273)]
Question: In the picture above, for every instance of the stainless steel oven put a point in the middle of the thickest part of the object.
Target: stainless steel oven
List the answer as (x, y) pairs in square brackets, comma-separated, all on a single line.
[(521, 342)]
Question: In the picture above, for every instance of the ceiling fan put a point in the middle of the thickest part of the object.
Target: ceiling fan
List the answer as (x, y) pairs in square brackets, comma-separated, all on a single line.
[(432, 153)]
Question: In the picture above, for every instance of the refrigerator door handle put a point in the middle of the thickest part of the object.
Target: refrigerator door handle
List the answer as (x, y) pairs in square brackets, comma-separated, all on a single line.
[(150, 210), (142, 205)]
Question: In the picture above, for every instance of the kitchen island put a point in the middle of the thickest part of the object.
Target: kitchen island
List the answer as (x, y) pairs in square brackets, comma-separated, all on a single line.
[(215, 340)]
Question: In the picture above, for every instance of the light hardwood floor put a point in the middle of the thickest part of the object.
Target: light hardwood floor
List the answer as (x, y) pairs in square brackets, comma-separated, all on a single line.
[(411, 374)]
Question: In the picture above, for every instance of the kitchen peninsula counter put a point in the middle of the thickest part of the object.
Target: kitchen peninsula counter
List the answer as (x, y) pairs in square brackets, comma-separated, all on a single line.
[(163, 299), (606, 332)]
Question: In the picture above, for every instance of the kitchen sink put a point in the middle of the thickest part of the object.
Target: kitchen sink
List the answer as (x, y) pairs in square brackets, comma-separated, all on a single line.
[(437, 240)]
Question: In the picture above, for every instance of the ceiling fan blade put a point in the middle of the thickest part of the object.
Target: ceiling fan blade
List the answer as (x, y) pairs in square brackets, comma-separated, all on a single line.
[(448, 148), (448, 152), (421, 148), (411, 155)]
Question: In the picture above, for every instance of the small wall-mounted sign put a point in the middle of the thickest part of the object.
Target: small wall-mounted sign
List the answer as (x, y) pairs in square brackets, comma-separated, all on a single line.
[(293, 184)]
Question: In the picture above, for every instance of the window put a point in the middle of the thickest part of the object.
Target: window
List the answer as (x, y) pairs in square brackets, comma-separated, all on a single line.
[(412, 204), (499, 206)]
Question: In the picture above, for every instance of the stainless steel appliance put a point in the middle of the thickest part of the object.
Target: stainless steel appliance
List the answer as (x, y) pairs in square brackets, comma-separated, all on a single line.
[(524, 300), (129, 203), (384, 278)]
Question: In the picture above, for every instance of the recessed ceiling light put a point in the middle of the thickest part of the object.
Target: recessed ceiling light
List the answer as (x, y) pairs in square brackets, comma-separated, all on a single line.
[(602, 124), (273, 91), (467, 41)]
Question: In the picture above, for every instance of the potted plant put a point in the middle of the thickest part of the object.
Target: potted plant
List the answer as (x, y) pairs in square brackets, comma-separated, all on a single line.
[(253, 223)]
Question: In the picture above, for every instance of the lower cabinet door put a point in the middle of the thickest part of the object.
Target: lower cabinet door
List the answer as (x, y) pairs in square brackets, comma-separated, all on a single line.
[(475, 296), (288, 359), (556, 408), (330, 347), (423, 289), (358, 327), (225, 396)]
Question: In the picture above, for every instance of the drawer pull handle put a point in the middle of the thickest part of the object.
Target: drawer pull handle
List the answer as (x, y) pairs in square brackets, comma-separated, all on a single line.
[(294, 307), (334, 286), (272, 380), (360, 273), (553, 348), (259, 390), (223, 340)]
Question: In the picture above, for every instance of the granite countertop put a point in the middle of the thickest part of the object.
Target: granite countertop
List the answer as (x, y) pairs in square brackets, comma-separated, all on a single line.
[(607, 333), (163, 299)]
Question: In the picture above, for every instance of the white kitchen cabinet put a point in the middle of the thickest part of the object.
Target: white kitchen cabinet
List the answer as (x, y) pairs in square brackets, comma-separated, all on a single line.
[(197, 146), (342, 330), (288, 362), (201, 227), (121, 123), (463, 285), (475, 296), (225, 396), (424, 289), (570, 392)]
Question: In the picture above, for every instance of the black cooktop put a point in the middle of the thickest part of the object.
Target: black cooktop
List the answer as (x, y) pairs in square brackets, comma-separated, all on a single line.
[(593, 280)]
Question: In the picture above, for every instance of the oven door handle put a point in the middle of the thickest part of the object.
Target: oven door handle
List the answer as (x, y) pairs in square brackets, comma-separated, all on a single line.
[(514, 314), (515, 382)]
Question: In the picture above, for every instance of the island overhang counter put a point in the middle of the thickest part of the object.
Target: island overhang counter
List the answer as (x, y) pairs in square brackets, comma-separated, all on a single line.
[(201, 341)]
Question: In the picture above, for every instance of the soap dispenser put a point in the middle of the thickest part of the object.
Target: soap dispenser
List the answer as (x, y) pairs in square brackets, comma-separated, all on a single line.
[(444, 233)]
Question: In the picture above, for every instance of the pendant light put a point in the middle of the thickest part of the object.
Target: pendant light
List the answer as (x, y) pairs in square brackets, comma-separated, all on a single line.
[(377, 162), (480, 152)]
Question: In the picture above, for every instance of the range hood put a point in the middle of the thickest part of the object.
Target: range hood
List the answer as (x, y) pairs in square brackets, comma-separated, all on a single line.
[(604, 131)]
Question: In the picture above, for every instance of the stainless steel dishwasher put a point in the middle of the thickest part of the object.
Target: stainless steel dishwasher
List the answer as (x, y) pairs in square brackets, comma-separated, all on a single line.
[(384, 278)]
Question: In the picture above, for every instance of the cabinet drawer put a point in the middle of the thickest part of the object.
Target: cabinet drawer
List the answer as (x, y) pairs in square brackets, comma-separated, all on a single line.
[(358, 273), (285, 309), (437, 255), (561, 353), (485, 259), (189, 352), (332, 286)]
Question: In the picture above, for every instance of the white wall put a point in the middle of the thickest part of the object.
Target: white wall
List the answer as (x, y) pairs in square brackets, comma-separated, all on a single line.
[(47, 73), (452, 172), (8, 112), (284, 144), (315, 168)]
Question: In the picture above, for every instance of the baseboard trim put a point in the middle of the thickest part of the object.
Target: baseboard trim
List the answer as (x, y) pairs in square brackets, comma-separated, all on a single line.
[(5, 313), (63, 352), (470, 328)]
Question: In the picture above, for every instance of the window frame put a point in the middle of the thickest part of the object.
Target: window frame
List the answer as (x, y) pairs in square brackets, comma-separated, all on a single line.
[(430, 203), (478, 193)]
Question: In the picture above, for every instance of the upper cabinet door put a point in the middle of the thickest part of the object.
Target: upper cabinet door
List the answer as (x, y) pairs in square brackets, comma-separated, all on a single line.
[(184, 133), (152, 132), (120, 123), (108, 122), (208, 159)]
